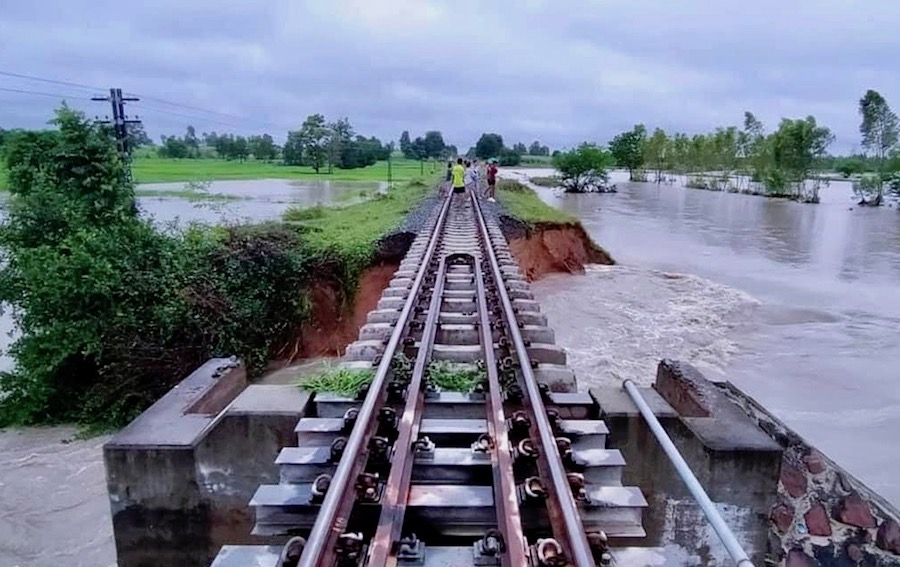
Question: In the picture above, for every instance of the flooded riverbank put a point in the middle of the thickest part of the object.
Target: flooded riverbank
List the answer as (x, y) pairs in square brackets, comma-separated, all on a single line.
[(798, 304)]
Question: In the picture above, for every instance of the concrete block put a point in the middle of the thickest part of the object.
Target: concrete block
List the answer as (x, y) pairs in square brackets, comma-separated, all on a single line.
[(179, 482)]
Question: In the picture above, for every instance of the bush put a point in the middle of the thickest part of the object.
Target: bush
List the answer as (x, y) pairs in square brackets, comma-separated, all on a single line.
[(111, 312), (584, 169)]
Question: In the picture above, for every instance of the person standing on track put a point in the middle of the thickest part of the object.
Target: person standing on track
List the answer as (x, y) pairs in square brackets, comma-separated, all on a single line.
[(449, 172), (491, 181), (471, 177), (458, 174)]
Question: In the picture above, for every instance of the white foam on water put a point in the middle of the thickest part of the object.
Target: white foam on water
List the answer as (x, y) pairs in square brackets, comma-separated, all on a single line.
[(618, 322)]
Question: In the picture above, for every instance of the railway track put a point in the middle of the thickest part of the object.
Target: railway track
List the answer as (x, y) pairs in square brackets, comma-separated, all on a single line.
[(513, 473)]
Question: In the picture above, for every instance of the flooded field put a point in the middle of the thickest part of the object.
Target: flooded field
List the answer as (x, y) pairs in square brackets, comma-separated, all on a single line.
[(799, 305)]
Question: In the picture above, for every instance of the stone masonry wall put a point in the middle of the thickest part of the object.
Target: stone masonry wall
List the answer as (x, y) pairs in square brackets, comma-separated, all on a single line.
[(823, 515)]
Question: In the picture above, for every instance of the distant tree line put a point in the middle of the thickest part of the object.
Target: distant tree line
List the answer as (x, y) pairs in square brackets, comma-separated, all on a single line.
[(490, 145), (788, 161), (326, 145), (318, 144)]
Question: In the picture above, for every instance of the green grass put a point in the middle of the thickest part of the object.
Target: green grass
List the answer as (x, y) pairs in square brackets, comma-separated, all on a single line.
[(350, 232), (454, 377), (160, 170), (536, 161), (341, 381), (522, 203)]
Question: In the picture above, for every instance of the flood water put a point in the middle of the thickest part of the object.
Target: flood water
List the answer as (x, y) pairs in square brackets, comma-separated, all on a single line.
[(798, 305), (257, 200)]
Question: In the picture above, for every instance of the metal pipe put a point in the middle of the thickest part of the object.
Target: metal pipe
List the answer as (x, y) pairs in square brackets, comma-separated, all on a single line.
[(684, 471), (579, 548), (324, 525)]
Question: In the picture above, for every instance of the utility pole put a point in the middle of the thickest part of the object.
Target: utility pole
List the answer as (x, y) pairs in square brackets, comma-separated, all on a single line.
[(390, 179), (119, 123)]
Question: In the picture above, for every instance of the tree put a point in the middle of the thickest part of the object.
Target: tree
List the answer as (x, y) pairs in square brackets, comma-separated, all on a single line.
[(190, 140), (262, 147), (536, 149), (340, 134), (879, 129), (313, 137), (240, 148), (173, 147), (584, 169), (655, 152), (797, 146), (77, 257), (406, 145), (292, 152), (137, 136), (417, 149), (520, 148), (434, 144), (488, 146), (628, 149), (510, 157)]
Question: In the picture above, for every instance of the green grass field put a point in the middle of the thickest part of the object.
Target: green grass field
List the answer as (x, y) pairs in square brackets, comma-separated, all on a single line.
[(351, 231), (160, 170), (523, 203)]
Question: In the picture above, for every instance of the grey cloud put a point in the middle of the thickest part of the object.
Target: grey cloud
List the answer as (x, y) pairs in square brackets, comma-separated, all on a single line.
[(559, 71)]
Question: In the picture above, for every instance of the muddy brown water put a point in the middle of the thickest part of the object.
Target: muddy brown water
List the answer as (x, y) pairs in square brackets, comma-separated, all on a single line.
[(797, 304)]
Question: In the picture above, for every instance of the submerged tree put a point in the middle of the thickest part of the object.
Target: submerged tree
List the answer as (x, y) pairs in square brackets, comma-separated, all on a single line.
[(797, 146), (879, 130), (584, 169), (656, 152), (628, 149)]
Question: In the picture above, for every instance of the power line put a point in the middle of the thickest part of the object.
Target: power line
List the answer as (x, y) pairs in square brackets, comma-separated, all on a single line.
[(186, 106), (38, 93), (53, 81), (236, 123), (233, 121)]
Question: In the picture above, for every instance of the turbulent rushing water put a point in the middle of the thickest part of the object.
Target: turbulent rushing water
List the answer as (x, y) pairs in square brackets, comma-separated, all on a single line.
[(799, 305)]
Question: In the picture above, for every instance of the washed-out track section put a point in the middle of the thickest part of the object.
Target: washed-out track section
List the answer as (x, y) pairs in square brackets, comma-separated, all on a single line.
[(516, 473)]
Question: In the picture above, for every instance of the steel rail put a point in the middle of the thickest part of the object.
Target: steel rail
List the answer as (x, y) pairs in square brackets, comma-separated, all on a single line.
[(334, 513), (506, 500), (396, 493), (684, 471), (573, 540)]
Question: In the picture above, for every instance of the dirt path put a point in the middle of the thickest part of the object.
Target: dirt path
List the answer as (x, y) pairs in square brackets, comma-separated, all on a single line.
[(53, 505)]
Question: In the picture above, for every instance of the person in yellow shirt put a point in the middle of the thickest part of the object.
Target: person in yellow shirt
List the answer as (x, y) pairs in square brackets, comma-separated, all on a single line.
[(459, 174)]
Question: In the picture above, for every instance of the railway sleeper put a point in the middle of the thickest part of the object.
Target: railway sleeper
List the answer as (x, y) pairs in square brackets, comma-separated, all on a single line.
[(444, 511), (460, 405), (435, 556), (582, 433)]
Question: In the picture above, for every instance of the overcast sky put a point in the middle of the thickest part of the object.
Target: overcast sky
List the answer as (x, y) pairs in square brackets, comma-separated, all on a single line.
[(559, 71)]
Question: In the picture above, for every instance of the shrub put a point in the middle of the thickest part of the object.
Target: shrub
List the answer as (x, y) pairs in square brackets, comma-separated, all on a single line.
[(112, 313)]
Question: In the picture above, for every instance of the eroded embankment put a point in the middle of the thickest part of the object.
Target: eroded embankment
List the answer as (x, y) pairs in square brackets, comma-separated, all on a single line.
[(549, 247), (540, 248)]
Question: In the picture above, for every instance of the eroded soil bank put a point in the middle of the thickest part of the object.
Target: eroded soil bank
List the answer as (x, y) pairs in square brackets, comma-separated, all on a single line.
[(547, 248), (541, 249)]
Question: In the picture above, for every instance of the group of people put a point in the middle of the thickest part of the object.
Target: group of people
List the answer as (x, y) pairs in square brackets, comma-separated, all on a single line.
[(466, 174)]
